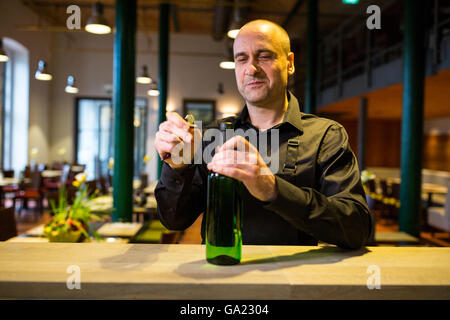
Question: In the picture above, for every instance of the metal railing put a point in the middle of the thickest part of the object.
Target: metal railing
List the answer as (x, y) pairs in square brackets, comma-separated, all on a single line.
[(353, 50)]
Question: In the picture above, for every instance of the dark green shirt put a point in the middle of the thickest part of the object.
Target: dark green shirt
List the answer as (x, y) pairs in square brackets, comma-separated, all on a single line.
[(320, 195)]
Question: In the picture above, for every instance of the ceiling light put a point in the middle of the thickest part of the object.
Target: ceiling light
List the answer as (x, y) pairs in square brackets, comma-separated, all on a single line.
[(70, 88), (3, 55), (154, 92), (144, 78), (241, 9), (227, 65), (233, 33), (228, 62), (42, 73), (97, 23)]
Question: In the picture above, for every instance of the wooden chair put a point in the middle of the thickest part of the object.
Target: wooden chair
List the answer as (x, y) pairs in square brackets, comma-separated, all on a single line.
[(8, 227), (91, 187), (437, 224), (103, 188), (74, 170), (10, 189), (8, 173), (386, 193), (33, 191), (27, 172), (71, 193), (144, 180), (110, 180), (439, 217), (395, 198)]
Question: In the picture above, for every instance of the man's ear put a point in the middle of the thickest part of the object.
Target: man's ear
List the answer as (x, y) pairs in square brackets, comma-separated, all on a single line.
[(291, 67)]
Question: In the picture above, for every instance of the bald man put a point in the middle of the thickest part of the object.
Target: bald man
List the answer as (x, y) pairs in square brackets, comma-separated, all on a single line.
[(316, 193)]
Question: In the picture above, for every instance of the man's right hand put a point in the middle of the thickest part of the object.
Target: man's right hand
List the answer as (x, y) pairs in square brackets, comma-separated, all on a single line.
[(176, 133)]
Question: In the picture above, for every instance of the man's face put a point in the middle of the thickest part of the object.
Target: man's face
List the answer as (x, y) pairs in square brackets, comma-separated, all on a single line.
[(261, 66)]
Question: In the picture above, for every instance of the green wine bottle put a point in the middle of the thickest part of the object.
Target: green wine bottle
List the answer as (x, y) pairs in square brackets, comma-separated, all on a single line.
[(223, 217)]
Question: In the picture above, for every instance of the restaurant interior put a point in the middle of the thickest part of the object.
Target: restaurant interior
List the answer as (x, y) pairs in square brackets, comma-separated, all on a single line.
[(70, 137), (57, 93)]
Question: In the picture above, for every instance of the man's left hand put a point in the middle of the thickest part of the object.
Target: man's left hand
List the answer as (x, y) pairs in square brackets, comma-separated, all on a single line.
[(239, 159)]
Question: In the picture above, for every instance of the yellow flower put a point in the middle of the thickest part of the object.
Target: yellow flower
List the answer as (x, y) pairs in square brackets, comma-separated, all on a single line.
[(76, 183), (111, 163), (81, 177), (146, 158)]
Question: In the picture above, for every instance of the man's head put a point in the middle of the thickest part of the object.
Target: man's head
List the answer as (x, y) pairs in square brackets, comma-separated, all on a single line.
[(263, 62)]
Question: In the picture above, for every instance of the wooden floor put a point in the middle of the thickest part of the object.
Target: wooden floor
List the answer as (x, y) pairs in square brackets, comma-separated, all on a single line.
[(27, 219)]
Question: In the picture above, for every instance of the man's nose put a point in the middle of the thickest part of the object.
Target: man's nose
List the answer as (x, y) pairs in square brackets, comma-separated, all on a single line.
[(252, 68)]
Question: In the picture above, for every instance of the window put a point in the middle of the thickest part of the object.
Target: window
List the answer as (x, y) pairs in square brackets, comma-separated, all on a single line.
[(94, 136), (94, 140), (14, 107)]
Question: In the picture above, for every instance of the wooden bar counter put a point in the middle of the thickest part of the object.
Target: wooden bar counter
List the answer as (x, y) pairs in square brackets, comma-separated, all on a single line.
[(152, 271)]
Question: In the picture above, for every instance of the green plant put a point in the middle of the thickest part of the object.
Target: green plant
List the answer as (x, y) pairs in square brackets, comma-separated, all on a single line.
[(72, 220)]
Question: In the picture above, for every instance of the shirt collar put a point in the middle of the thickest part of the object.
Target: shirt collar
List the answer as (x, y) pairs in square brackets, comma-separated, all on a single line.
[(292, 115)]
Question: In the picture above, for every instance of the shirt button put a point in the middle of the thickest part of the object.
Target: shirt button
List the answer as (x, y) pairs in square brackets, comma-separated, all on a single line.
[(178, 181)]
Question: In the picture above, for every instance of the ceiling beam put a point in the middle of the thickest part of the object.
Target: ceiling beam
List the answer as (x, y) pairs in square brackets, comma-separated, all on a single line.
[(46, 15), (183, 7)]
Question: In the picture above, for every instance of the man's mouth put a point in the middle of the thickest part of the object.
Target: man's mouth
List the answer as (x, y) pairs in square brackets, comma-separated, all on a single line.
[(255, 83)]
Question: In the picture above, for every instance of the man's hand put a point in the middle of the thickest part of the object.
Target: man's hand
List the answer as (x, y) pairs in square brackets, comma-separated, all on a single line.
[(239, 159), (174, 136)]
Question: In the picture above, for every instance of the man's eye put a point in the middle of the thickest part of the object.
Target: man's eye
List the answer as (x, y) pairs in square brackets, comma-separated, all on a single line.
[(265, 56), (242, 59)]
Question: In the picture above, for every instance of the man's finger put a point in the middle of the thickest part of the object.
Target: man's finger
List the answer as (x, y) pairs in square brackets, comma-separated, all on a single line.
[(167, 136), (231, 172), (183, 134), (177, 120), (239, 143), (235, 156), (164, 147), (251, 170)]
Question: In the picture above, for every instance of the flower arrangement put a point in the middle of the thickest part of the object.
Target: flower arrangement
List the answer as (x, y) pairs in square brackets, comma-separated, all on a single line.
[(70, 223)]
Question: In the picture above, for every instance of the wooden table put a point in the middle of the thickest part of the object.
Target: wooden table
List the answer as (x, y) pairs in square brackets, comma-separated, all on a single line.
[(395, 238), (105, 203), (9, 182), (433, 189), (152, 271), (110, 232), (51, 173)]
